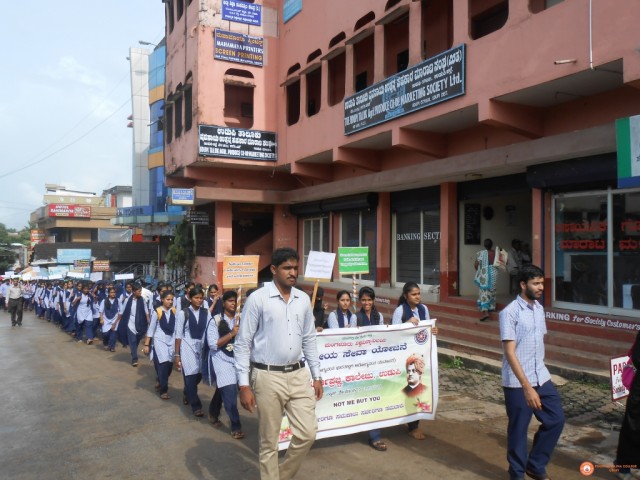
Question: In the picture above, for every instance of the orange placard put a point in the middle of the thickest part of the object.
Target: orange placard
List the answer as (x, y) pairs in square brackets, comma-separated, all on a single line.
[(240, 271)]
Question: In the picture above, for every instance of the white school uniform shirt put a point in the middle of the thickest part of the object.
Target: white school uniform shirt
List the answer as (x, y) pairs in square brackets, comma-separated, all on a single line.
[(83, 311), (352, 320), (107, 322), (163, 344), (47, 298), (132, 318), (123, 300), (190, 348), (223, 364), (66, 299), (4, 290)]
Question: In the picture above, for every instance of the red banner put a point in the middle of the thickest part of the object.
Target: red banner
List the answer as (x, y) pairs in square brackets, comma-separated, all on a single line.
[(71, 211)]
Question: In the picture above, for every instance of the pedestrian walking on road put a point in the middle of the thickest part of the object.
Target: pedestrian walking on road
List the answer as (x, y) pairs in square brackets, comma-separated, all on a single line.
[(410, 309), (133, 322), (277, 336), (191, 325), (83, 304), (162, 332), (14, 296), (109, 310), (366, 316), (526, 381), (221, 335)]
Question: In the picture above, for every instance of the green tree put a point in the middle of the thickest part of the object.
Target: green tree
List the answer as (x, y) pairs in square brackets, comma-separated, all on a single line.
[(180, 253)]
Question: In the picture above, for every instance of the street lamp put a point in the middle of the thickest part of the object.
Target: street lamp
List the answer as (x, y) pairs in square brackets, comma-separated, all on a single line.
[(145, 43)]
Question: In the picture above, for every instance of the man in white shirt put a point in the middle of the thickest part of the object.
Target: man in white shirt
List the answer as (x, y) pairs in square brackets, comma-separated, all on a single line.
[(14, 296)]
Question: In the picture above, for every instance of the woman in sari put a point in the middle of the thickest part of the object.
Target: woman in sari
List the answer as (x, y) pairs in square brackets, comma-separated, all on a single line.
[(486, 278)]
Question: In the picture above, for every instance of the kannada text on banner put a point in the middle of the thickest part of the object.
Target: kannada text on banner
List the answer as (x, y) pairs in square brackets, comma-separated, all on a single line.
[(366, 380)]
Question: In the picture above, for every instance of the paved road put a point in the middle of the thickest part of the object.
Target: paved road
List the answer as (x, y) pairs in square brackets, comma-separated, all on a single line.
[(72, 411)]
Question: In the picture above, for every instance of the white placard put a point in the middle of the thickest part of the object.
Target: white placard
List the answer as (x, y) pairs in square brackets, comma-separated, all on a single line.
[(95, 276), (124, 276), (319, 266), (8, 274), (618, 390), (35, 269), (56, 276), (26, 277), (75, 275)]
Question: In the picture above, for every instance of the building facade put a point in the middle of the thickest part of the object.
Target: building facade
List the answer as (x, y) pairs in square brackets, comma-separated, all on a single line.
[(418, 129)]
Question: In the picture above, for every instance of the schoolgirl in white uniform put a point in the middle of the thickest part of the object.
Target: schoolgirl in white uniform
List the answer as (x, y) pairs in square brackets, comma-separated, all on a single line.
[(109, 309), (162, 330)]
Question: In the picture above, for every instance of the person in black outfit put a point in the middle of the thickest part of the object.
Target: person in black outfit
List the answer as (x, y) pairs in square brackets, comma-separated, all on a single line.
[(629, 441)]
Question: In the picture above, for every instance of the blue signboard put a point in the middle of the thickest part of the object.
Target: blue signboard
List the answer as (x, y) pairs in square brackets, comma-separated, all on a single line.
[(242, 12), (239, 48), (433, 81), (290, 9), (69, 255), (135, 211), (182, 196)]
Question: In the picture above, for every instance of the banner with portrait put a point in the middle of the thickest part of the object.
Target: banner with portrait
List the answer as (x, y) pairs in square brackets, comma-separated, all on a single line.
[(374, 377)]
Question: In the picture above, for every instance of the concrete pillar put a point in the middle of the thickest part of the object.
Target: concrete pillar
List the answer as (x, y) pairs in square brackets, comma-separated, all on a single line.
[(415, 33), (461, 22), (324, 87), (383, 239), (350, 86), (285, 232), (378, 53), (223, 222), (448, 241)]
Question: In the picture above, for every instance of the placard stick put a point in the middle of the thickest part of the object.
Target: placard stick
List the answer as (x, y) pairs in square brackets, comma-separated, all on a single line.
[(315, 293), (353, 294), (239, 303)]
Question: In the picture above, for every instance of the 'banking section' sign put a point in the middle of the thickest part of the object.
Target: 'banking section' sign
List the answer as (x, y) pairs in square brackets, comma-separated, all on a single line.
[(433, 81)]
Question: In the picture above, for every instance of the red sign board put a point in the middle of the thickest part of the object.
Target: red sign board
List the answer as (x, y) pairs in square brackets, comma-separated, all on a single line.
[(37, 236), (101, 265), (71, 211)]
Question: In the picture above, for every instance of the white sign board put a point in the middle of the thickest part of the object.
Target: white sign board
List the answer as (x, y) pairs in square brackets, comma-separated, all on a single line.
[(618, 390), (75, 275), (124, 276), (95, 276), (56, 276), (319, 266)]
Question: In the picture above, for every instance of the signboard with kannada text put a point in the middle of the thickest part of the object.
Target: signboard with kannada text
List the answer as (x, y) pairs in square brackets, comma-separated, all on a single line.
[(353, 260), (319, 266), (70, 211), (227, 142), (238, 48), (374, 377), (195, 217), (433, 81), (182, 196), (240, 271), (101, 265), (242, 12)]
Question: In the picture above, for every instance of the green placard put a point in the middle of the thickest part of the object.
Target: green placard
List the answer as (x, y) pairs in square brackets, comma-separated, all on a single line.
[(352, 260)]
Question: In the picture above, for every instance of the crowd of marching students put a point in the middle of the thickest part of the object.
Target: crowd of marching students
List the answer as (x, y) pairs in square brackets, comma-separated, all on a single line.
[(193, 332)]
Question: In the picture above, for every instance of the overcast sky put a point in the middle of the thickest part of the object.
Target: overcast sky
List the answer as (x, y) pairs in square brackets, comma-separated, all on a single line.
[(65, 86)]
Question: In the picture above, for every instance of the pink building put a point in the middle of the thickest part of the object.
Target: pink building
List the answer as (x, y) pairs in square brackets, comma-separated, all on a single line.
[(418, 129)]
